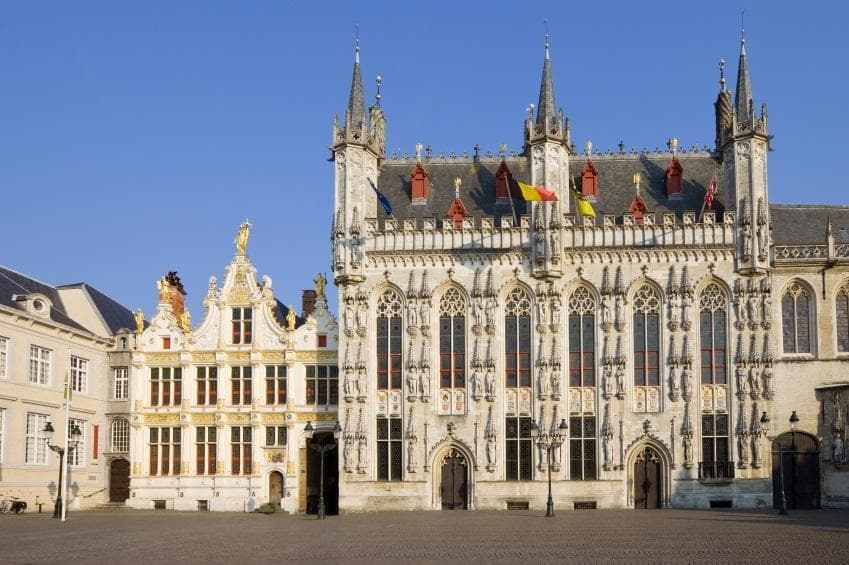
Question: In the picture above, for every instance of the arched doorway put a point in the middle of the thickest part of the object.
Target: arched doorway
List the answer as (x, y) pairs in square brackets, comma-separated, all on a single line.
[(648, 478), (795, 456), (119, 480), (331, 473), (454, 488), (275, 488)]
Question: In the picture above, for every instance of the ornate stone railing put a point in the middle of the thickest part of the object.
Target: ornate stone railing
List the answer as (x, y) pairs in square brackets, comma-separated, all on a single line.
[(790, 252)]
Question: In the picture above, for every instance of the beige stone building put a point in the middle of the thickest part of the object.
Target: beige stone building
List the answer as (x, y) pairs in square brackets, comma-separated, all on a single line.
[(648, 352), (49, 334), (219, 409)]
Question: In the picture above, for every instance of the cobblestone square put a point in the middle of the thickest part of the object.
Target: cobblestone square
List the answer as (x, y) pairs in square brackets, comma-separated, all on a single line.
[(620, 536)]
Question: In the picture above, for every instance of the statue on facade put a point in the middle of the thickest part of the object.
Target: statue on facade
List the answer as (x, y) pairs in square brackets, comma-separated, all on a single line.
[(477, 383), (425, 382), (606, 312), (489, 382), (362, 454), (555, 382), (747, 242), (838, 454), (362, 314), (424, 316), (412, 382), (490, 453), (290, 318), (139, 321), (620, 381), (349, 386), (555, 312), (186, 320), (347, 454), (241, 240), (743, 448), (740, 374), (607, 380), (320, 284), (478, 313), (348, 316)]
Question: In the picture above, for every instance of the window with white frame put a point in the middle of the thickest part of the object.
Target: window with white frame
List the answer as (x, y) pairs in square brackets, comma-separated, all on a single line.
[(165, 451), (206, 445), (120, 434), (79, 374), (76, 456), (276, 436), (166, 386), (39, 365), (121, 383), (4, 357), (36, 441)]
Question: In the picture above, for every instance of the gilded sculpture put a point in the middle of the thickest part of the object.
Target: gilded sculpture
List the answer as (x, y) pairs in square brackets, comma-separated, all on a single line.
[(242, 237), (290, 318), (139, 321)]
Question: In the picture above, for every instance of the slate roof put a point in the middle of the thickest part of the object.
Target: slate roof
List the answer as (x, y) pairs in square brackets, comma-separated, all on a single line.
[(280, 313), (13, 282), (797, 224), (615, 194), (115, 315)]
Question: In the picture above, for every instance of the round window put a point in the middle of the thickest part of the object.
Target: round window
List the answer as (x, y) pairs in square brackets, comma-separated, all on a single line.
[(38, 305)]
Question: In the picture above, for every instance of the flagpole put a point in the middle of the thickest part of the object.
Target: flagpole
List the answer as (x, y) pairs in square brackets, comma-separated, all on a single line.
[(64, 485), (512, 206)]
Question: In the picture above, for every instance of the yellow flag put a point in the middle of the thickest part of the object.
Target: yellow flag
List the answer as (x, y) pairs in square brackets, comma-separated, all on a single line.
[(583, 205)]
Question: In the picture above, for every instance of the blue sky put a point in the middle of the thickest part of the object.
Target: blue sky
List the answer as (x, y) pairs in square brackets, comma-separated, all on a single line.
[(135, 136)]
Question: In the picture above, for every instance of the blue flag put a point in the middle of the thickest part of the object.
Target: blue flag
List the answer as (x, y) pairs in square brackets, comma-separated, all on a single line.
[(387, 207)]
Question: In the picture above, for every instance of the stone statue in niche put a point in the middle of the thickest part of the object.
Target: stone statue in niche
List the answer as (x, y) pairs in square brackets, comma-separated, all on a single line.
[(607, 443), (688, 307), (838, 454), (425, 383), (543, 382), (478, 313), (762, 243), (555, 242), (362, 316), (752, 310), (747, 242), (607, 380), (350, 385), (620, 381), (362, 454), (412, 320), (754, 383), (767, 377), (740, 374), (688, 450), (756, 451), (539, 246), (674, 308), (620, 312), (687, 382), (555, 383), (348, 454), (425, 314), (606, 312), (477, 383), (767, 311), (555, 313), (411, 455), (490, 453), (412, 382), (348, 316), (743, 449), (489, 382)]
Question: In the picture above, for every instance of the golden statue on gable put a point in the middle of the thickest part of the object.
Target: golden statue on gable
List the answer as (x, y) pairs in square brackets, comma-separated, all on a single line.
[(139, 321), (242, 237), (290, 318), (320, 284), (164, 288)]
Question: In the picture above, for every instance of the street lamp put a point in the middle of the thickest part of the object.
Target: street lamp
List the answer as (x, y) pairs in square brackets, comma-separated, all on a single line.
[(794, 421), (549, 441), (321, 450), (76, 434)]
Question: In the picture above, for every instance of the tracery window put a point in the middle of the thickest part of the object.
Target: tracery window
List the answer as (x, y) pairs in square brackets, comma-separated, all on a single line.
[(581, 338), (517, 339), (796, 319), (389, 441), (582, 448), (519, 448), (647, 350), (452, 347), (712, 330), (389, 359), (842, 321)]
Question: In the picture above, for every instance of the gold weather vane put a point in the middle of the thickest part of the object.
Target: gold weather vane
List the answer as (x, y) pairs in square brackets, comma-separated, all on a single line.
[(242, 237)]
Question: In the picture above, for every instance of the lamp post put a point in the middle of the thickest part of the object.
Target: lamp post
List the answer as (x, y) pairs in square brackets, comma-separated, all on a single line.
[(72, 444), (321, 450), (549, 441)]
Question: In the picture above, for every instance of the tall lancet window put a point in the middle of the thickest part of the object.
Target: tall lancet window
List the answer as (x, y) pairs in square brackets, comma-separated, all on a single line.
[(389, 364), (582, 420), (842, 321), (713, 346), (646, 350), (796, 319), (452, 351), (517, 383)]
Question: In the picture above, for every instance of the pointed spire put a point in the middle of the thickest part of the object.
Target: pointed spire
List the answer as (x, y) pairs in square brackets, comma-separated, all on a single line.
[(356, 114), (743, 94), (547, 107)]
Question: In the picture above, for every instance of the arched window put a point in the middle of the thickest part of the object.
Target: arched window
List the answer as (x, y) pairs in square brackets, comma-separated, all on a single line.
[(389, 364), (647, 389), (120, 434), (582, 425), (796, 319), (712, 330), (842, 321), (713, 313), (517, 382), (581, 338), (452, 344), (646, 337)]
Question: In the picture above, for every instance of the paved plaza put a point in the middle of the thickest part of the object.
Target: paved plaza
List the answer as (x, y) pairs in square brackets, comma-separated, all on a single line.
[(509, 537)]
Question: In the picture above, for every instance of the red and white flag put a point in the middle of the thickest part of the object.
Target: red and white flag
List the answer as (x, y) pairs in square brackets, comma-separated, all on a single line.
[(711, 192)]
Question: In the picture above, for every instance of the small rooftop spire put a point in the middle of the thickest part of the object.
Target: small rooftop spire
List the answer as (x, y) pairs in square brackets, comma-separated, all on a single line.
[(743, 95), (547, 107), (378, 81), (722, 75), (357, 43), (356, 114)]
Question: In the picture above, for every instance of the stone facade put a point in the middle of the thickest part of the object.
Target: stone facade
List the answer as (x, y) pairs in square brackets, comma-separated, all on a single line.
[(219, 409), (659, 348)]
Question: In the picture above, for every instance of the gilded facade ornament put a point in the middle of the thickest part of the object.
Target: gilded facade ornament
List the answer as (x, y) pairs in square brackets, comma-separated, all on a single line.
[(242, 237), (290, 318), (320, 284), (139, 321)]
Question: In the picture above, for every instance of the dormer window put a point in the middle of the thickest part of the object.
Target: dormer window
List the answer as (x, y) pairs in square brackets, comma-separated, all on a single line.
[(419, 181), (589, 180), (242, 325), (674, 176)]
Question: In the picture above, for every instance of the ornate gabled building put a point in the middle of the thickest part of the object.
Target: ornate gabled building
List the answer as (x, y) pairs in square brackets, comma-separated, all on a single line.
[(649, 355), (215, 406)]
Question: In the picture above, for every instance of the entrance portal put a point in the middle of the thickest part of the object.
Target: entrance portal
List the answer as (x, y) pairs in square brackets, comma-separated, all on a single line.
[(648, 486), (454, 488), (275, 488), (331, 474), (119, 480), (795, 455)]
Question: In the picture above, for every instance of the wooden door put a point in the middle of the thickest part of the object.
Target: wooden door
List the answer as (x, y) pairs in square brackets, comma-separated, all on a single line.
[(275, 488), (454, 482), (119, 480), (795, 457), (647, 479)]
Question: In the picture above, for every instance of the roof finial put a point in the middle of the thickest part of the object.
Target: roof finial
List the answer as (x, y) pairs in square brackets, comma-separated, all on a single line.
[(588, 148), (637, 178), (457, 182), (722, 74), (545, 23), (357, 43), (379, 80), (743, 30)]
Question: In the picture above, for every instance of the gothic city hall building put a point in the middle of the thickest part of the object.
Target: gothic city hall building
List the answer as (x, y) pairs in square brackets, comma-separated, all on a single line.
[(682, 342)]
